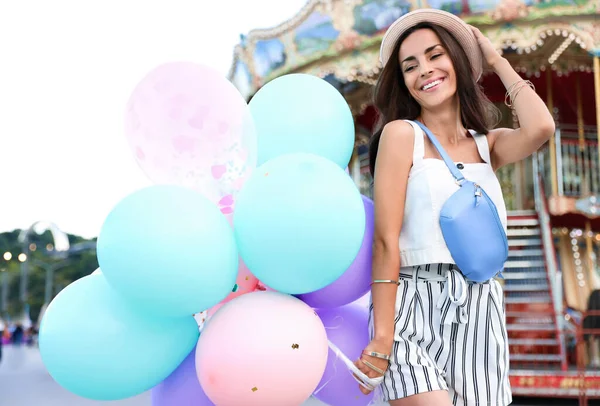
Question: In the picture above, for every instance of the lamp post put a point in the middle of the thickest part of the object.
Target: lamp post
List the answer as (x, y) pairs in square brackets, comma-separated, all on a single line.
[(61, 244), (24, 274), (3, 291), (4, 284), (50, 270)]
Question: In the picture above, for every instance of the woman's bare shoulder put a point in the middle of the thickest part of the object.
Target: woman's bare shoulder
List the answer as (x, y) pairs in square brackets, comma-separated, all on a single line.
[(397, 131)]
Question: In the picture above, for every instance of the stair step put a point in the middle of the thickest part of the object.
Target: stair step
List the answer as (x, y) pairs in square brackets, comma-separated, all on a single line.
[(530, 321), (525, 264), (523, 275), (524, 242), (524, 213), (522, 222), (537, 313), (527, 299), (526, 253), (530, 327), (530, 287), (522, 232), (536, 357), (532, 341)]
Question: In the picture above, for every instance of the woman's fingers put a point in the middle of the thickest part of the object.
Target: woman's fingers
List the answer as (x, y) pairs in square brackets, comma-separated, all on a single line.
[(371, 367), (363, 368), (365, 371)]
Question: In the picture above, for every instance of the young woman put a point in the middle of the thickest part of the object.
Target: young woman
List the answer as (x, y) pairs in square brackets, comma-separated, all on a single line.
[(438, 338)]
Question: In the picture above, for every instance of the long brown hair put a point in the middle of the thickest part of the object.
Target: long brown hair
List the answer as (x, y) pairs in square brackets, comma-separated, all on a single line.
[(394, 102)]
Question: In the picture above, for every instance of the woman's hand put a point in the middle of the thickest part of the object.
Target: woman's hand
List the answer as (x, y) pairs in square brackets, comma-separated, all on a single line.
[(380, 347), (490, 54)]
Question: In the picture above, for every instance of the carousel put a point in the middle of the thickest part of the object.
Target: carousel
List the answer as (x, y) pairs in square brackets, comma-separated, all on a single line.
[(553, 197)]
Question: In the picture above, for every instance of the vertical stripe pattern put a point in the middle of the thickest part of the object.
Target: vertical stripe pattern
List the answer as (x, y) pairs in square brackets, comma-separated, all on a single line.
[(467, 357)]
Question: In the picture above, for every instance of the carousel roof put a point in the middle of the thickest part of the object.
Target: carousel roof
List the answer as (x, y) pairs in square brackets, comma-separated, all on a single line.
[(341, 38)]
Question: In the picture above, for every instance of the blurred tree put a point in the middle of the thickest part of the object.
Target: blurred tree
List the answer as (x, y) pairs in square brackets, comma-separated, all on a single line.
[(41, 255)]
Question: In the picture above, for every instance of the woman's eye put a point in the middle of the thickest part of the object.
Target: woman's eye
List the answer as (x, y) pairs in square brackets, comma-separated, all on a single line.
[(408, 69), (435, 56)]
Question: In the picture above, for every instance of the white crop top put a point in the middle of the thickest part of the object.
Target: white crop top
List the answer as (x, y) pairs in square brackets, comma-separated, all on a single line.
[(430, 184)]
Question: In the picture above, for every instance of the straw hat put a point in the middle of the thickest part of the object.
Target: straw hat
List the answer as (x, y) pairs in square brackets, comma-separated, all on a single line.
[(454, 25)]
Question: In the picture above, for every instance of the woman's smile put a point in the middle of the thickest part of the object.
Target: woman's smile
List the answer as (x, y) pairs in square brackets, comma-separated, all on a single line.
[(432, 85)]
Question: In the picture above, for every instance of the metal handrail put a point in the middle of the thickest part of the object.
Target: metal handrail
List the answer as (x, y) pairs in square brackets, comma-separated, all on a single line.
[(554, 274), (575, 128)]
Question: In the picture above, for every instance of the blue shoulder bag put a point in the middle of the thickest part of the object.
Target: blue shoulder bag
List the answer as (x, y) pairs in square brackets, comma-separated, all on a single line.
[(471, 225)]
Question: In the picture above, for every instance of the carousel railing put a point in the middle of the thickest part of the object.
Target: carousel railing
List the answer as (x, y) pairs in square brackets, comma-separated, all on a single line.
[(507, 176), (577, 165), (586, 336)]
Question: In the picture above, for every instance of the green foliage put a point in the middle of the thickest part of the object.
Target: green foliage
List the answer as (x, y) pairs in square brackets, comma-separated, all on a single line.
[(67, 270)]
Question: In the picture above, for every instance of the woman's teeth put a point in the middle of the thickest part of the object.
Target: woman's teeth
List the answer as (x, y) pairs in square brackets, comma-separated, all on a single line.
[(432, 84)]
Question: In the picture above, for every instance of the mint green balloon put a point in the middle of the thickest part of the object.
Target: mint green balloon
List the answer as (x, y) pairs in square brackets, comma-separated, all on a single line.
[(95, 344), (299, 223), (170, 249), (302, 113)]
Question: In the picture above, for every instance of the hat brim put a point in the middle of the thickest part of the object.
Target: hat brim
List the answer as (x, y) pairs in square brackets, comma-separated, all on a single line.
[(454, 25)]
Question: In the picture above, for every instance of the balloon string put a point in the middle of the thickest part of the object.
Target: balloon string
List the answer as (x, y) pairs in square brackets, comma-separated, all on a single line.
[(377, 394), (335, 371), (340, 321), (336, 318)]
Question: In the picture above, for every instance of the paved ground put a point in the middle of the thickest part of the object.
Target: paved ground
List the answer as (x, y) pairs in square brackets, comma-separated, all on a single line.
[(25, 382)]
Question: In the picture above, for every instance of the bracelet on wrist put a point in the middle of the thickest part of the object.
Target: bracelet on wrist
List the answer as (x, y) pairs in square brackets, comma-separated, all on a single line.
[(513, 91), (384, 281)]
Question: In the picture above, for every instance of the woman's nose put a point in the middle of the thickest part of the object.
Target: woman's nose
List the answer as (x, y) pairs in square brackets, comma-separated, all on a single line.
[(425, 70)]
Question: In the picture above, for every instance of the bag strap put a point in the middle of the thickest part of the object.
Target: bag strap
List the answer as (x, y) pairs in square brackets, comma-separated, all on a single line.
[(458, 176), (482, 146)]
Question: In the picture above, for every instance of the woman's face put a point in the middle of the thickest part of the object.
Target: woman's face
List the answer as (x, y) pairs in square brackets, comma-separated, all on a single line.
[(427, 68)]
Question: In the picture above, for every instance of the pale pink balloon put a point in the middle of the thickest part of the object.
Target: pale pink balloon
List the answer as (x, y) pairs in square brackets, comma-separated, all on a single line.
[(213, 310), (262, 349), (188, 125)]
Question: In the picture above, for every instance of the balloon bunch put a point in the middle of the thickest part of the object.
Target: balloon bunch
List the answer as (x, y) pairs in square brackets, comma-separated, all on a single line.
[(213, 231)]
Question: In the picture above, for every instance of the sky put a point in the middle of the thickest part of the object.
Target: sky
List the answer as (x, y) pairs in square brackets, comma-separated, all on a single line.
[(67, 69)]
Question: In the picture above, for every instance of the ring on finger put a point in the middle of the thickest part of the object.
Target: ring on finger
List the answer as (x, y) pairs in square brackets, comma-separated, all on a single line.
[(373, 367)]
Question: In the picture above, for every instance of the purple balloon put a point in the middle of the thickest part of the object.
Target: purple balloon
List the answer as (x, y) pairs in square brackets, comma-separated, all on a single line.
[(181, 388), (348, 328), (355, 281)]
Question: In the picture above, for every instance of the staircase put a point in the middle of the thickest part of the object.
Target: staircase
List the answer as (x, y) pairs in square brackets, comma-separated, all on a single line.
[(534, 338)]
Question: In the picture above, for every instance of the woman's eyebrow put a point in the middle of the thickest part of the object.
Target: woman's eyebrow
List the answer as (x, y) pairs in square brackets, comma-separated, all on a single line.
[(428, 50)]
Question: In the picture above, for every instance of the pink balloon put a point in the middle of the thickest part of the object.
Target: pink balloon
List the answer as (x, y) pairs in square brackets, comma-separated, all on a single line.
[(263, 287), (262, 349), (245, 283), (188, 125)]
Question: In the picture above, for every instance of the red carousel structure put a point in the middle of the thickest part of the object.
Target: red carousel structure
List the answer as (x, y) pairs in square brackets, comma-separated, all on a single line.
[(553, 271)]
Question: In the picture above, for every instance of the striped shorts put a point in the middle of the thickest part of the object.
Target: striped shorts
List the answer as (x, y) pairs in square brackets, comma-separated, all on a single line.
[(450, 334)]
